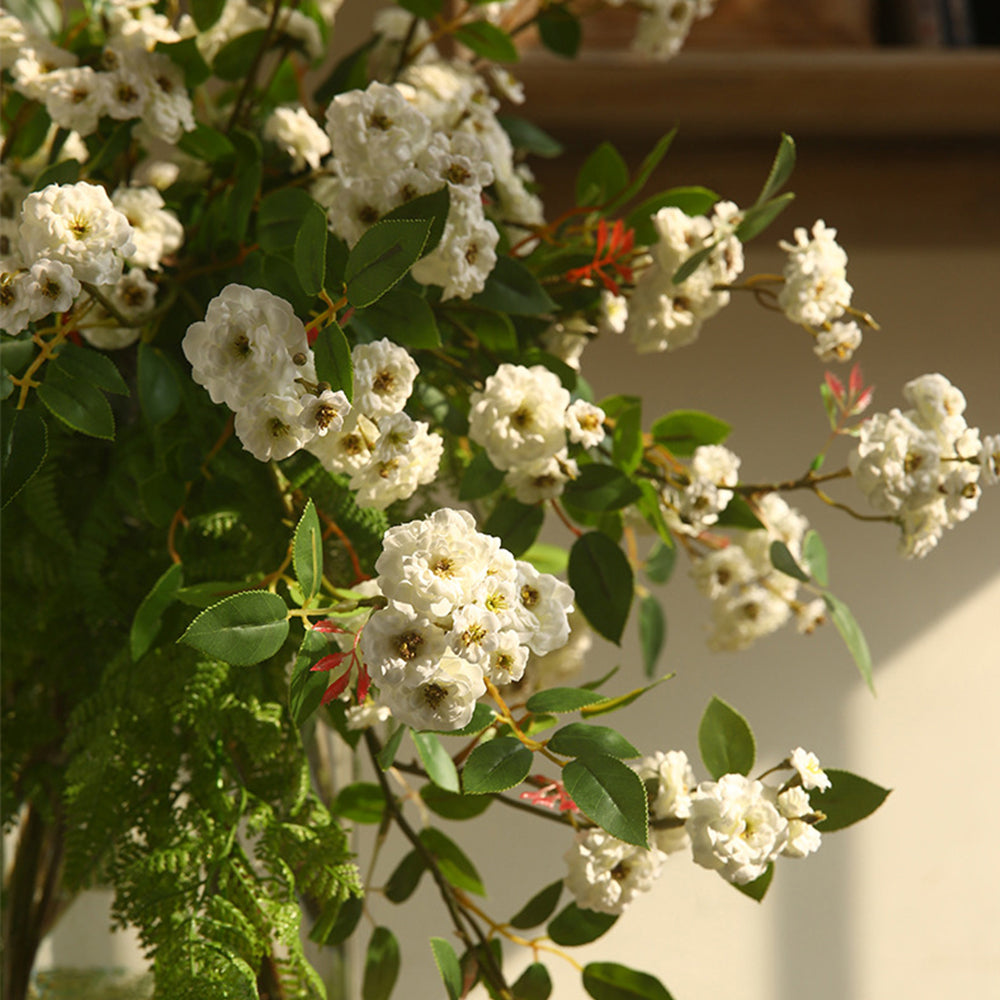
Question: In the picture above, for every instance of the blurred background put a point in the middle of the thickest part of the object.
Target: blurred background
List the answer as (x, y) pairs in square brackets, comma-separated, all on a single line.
[(895, 108)]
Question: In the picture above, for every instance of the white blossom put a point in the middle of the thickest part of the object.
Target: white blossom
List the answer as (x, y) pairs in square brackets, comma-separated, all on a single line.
[(671, 798), (735, 828), (542, 479), (401, 647), (51, 286), (78, 225), (808, 768), (606, 874), (383, 377), (296, 132), (838, 341), (156, 231), (270, 426), (585, 423), (445, 700), (549, 601), (816, 290)]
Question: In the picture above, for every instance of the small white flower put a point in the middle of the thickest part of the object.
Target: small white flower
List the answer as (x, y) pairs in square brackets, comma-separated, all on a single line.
[(156, 231), (367, 715), (816, 290), (543, 479), (444, 701), (989, 460), (838, 342), (549, 601), (52, 287), (735, 828), (401, 647), (671, 799), (75, 97), (585, 423), (325, 413), (383, 377), (78, 225), (606, 874), (296, 132), (270, 427), (808, 768), (15, 302), (350, 448)]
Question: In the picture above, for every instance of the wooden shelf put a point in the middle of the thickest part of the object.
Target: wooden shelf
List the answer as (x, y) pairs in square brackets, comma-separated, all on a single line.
[(885, 93)]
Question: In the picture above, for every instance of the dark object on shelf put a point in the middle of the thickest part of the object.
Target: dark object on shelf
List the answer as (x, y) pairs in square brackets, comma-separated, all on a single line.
[(986, 21)]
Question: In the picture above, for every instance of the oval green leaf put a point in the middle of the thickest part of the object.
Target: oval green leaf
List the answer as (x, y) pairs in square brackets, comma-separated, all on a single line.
[(533, 984), (452, 806), (496, 766), (333, 359), (580, 738), (725, 740), (146, 623), (611, 794), (437, 763), (307, 553), (652, 632), (611, 981), (601, 578), (452, 862), (361, 801), (159, 391), (574, 926), (25, 445), (382, 256), (850, 632), (243, 629), (562, 699), (515, 524), (684, 430), (601, 487), (381, 965), (848, 799), (539, 908), (447, 964)]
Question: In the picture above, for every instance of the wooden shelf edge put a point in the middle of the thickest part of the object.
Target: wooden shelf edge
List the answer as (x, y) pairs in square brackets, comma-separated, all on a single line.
[(888, 93)]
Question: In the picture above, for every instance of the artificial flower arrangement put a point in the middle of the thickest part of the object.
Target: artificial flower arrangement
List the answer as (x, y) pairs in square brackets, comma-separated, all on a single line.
[(291, 382)]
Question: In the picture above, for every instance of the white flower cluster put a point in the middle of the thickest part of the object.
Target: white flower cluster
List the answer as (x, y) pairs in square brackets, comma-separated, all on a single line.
[(68, 234), (131, 81), (664, 25), (816, 292), (386, 453), (240, 17), (923, 465), (387, 152), (663, 315), (736, 826), (522, 417), (714, 471), (251, 353), (750, 598), (461, 610)]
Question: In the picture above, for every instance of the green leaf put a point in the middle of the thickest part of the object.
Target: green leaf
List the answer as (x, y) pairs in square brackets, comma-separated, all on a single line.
[(159, 391), (447, 964), (814, 556), (351, 73), (600, 488), (602, 176), (206, 12), (387, 754), (575, 926), (307, 686), (381, 965), (529, 137), (332, 354), (515, 524), (208, 144), (452, 806), (496, 766), (437, 763), (547, 558), (488, 41), (243, 629), (246, 188), (757, 219), (279, 217), (725, 740), (649, 506), (609, 705), (77, 403), (451, 861), (533, 984), (310, 250), (611, 794), (684, 430), (63, 172), (692, 264), (307, 553), (233, 60), (402, 883), (850, 632), (91, 366), (25, 445), (781, 169), (611, 981), (404, 317), (739, 514), (146, 623), (382, 256), (511, 288), (337, 921), (626, 440), (539, 908), (579, 738), (560, 30), (31, 134), (691, 201), (848, 799), (361, 801), (433, 207), (601, 577), (652, 632), (660, 562), (480, 479), (757, 889), (650, 162), (562, 699), (783, 561), (494, 330)]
